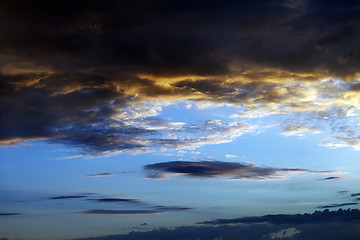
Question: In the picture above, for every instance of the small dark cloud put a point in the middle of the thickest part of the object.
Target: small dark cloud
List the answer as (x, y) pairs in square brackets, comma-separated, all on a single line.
[(212, 169), (119, 212), (342, 192), (350, 215), (116, 200), (330, 178), (337, 205), (355, 194), (8, 214), (69, 197), (100, 175)]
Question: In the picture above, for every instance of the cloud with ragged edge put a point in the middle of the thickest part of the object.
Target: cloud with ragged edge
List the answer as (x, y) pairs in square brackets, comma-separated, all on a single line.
[(114, 68), (213, 169), (100, 175)]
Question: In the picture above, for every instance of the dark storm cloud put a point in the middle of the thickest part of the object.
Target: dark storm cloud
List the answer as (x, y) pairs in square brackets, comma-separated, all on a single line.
[(68, 197), (352, 215), (69, 69), (183, 37), (337, 205), (119, 212), (212, 169), (8, 214)]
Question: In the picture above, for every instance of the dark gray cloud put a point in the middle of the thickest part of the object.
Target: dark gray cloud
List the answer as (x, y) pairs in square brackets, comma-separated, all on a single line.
[(350, 215), (337, 205), (119, 212), (68, 197), (355, 194), (8, 214), (212, 169)]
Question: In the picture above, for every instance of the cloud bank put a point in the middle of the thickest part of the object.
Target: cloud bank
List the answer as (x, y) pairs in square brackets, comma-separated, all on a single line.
[(326, 225)]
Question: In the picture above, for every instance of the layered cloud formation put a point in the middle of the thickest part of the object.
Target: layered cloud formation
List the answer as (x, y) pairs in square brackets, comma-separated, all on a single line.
[(94, 76)]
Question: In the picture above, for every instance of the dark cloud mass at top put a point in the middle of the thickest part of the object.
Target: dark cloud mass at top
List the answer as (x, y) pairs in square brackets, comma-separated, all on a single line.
[(82, 74)]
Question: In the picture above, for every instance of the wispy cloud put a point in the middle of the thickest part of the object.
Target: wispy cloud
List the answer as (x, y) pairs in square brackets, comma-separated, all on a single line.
[(212, 169), (100, 175)]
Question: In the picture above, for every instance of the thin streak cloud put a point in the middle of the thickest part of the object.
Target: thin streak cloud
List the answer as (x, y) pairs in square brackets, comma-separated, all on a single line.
[(119, 212), (100, 175)]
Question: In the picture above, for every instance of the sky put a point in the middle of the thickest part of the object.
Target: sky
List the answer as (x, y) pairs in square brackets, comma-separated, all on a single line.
[(183, 120)]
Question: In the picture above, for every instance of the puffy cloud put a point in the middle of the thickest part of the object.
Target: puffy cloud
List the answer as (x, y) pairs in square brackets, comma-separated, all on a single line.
[(212, 169)]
